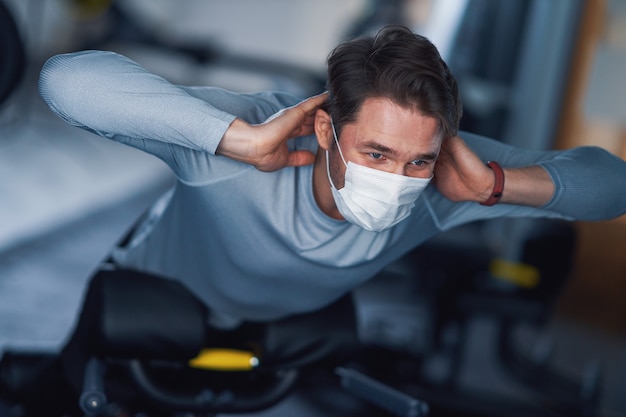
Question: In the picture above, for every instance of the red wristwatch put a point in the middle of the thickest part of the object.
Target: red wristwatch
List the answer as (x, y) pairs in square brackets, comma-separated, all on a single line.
[(498, 186)]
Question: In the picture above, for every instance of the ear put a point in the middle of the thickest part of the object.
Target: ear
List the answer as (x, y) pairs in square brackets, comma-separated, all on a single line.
[(323, 129)]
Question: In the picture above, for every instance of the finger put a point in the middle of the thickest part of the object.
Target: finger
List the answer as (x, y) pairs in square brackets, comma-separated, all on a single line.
[(443, 157), (447, 144), (300, 158), (304, 131), (306, 128), (307, 107), (303, 122), (312, 103)]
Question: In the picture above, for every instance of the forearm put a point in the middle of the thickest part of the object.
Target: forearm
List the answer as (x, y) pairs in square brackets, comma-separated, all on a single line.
[(589, 182), (583, 183), (527, 186), (238, 141)]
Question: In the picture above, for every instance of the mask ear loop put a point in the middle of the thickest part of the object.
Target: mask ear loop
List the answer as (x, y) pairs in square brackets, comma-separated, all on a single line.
[(332, 125), (328, 172)]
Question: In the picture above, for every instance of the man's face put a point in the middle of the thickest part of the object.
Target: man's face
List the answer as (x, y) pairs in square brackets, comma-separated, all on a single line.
[(389, 138)]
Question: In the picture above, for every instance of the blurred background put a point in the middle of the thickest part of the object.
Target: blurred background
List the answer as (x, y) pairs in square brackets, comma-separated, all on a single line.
[(533, 73)]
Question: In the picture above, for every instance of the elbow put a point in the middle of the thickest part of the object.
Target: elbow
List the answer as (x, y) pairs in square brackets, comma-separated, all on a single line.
[(59, 80), (591, 184), (60, 74), (66, 80), (51, 74)]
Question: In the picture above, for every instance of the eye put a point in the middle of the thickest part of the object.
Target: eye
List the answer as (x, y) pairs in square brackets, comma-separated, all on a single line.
[(376, 155), (418, 162)]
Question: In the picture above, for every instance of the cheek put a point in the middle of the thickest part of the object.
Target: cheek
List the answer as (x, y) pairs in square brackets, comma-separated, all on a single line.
[(337, 168)]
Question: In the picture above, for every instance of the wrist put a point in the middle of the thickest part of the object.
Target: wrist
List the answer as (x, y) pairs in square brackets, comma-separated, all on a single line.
[(236, 141), (528, 186), (495, 193)]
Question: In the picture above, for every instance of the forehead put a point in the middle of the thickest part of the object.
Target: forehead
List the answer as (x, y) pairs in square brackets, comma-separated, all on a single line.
[(380, 120)]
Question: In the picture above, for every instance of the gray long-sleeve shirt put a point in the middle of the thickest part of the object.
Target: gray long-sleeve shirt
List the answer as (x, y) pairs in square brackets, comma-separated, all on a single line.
[(254, 245)]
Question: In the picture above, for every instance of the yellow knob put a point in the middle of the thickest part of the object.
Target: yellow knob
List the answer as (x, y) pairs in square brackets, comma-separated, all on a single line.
[(520, 274), (224, 360)]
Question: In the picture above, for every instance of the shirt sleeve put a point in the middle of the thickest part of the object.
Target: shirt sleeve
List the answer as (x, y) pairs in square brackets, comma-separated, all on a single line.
[(114, 97)]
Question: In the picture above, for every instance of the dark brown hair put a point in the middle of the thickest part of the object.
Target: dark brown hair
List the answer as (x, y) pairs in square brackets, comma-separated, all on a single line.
[(395, 64)]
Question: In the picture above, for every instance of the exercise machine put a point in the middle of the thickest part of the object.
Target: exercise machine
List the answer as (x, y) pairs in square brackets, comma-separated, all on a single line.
[(153, 353)]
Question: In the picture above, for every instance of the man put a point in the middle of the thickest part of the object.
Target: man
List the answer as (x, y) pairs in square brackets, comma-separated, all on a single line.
[(281, 206), (261, 226)]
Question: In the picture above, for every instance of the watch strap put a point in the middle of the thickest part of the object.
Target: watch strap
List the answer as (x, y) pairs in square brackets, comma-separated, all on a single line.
[(498, 186)]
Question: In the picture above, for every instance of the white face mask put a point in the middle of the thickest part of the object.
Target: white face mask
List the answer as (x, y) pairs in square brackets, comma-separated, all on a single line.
[(373, 199)]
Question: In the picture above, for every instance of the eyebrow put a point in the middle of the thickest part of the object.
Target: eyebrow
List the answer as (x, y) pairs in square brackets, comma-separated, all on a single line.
[(429, 156)]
